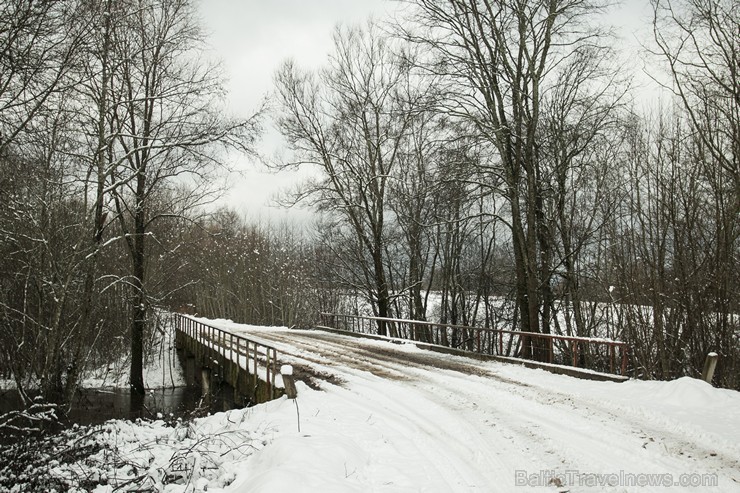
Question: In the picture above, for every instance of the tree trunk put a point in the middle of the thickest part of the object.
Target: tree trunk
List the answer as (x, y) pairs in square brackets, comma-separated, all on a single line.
[(138, 324)]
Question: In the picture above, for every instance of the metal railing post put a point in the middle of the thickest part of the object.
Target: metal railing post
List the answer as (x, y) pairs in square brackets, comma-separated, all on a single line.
[(274, 373), (267, 369), (254, 364), (575, 353), (625, 352)]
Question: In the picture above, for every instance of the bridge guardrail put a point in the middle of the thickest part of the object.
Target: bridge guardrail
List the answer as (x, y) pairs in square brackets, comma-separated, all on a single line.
[(260, 359), (573, 351)]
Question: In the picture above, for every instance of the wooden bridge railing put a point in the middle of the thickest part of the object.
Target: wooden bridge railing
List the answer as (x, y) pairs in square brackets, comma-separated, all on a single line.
[(585, 352), (260, 360)]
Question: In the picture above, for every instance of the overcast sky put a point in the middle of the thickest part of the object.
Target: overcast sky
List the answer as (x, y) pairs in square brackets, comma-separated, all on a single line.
[(252, 38)]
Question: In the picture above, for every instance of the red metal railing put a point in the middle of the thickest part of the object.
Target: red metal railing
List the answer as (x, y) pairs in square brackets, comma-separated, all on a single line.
[(258, 356), (586, 352)]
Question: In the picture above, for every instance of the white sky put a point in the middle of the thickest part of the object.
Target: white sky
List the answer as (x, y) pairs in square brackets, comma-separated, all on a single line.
[(252, 38)]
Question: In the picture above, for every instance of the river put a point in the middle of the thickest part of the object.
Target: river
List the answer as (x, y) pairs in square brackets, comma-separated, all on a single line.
[(94, 406)]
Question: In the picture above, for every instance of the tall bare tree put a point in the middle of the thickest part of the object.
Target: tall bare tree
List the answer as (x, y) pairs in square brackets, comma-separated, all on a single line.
[(579, 141), (41, 48), (350, 121), (166, 122), (38, 45), (501, 58), (698, 172)]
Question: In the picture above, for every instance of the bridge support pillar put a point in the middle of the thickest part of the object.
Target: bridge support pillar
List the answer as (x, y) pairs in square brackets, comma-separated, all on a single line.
[(205, 381), (190, 371)]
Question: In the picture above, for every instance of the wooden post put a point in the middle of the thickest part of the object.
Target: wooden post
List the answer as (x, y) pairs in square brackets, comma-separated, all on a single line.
[(190, 376), (274, 370), (267, 372), (199, 342), (238, 368), (575, 353), (611, 358), (625, 352), (254, 364), (709, 366), (288, 381)]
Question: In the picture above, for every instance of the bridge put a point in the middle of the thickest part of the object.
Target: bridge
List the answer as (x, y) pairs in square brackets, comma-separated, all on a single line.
[(398, 414), (211, 353), (249, 360)]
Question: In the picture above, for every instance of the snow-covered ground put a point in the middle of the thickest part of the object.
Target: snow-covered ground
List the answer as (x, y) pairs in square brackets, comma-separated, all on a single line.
[(390, 417)]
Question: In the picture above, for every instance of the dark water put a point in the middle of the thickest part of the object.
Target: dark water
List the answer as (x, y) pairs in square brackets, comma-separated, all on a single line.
[(94, 406)]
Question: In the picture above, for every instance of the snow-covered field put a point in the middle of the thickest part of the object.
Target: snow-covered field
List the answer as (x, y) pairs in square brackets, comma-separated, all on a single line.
[(390, 417)]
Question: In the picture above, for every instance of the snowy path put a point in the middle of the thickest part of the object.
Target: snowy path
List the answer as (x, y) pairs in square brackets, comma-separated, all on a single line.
[(391, 417)]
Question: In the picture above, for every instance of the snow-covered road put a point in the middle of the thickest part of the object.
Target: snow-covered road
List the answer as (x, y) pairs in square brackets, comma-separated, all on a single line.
[(391, 417)]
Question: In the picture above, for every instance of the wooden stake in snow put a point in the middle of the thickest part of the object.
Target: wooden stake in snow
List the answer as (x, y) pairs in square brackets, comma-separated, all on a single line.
[(287, 372), (709, 365)]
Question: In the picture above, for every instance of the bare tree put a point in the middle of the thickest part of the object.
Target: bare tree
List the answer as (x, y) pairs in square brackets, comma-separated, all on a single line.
[(41, 47), (698, 42), (38, 44), (500, 59), (579, 142), (350, 121), (166, 123), (118, 115), (412, 200)]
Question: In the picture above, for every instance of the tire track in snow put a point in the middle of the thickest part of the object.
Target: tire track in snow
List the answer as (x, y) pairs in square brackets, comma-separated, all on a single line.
[(456, 450), (517, 418), (672, 443), (449, 450), (382, 360)]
